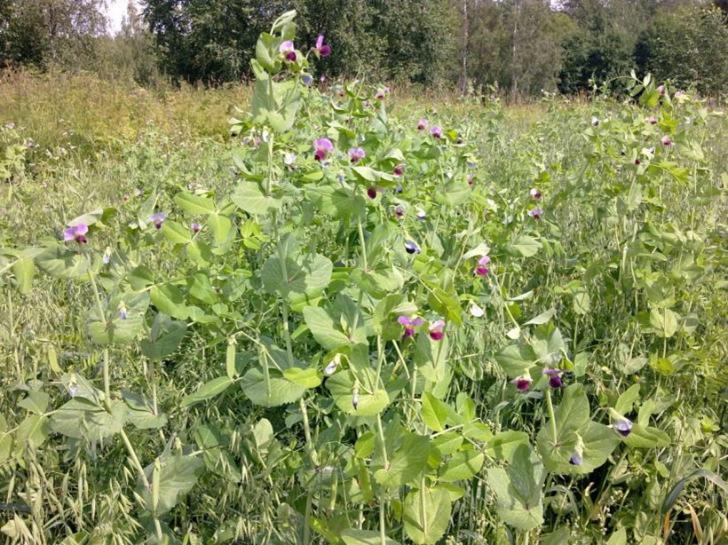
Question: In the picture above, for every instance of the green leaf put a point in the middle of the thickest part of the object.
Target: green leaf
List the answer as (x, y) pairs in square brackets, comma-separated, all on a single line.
[(165, 337), (664, 322), (248, 197), (627, 400), (308, 378), (122, 321), (221, 227), (176, 233), (619, 537), (372, 400), (434, 412), (194, 204), (446, 304), (646, 437), (503, 445), (525, 246), (271, 392), (62, 262), (80, 418), (461, 466), (518, 491), (427, 514), (141, 412), (303, 275), (407, 463), (335, 328), (207, 391), (24, 270), (170, 300), (35, 402), (177, 476), (516, 359), (672, 496)]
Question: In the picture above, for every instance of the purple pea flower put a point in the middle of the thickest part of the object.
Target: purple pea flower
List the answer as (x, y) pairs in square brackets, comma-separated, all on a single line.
[(522, 383), (372, 192), (410, 323), (158, 219), (288, 50), (195, 227), (576, 459), (623, 427), (554, 375), (595, 121), (322, 147), (536, 213), (436, 131), (398, 170), (411, 247), (399, 211), (421, 214), (422, 124), (437, 330), (324, 50), (307, 80), (356, 154), (666, 141), (123, 313), (76, 233), (330, 369), (535, 194), (481, 269)]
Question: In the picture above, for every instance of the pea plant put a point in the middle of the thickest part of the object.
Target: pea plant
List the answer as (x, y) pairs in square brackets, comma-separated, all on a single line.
[(349, 293)]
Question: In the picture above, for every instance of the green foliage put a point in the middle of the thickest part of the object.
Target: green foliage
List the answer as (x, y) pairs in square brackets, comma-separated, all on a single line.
[(252, 367)]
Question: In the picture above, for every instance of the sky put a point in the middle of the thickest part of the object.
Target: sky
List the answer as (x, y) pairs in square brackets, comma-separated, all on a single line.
[(116, 10)]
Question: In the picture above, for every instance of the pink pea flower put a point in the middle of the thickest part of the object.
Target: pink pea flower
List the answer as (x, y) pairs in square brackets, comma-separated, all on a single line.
[(666, 141), (652, 120), (522, 383), (76, 233), (661, 90), (322, 147), (481, 269), (356, 154), (437, 330), (324, 50), (195, 227), (158, 219), (422, 124), (410, 323), (288, 50), (436, 131), (535, 194), (398, 170), (536, 213), (372, 192)]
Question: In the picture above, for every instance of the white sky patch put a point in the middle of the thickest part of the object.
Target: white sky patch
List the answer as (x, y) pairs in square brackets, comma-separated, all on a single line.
[(116, 11)]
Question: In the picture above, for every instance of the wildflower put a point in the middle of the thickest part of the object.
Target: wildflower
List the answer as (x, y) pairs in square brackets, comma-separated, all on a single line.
[(436, 131), (289, 158), (73, 390), (471, 180), (323, 147), (476, 311), (652, 120), (661, 90), (398, 189), (398, 170), (410, 323), (522, 383), (372, 192), (330, 369), (195, 227), (421, 214), (77, 233), (107, 256), (623, 427), (637, 161), (436, 330), (535, 194), (399, 211), (666, 141), (411, 247), (356, 154), (288, 50), (554, 375), (535, 213), (381, 93), (323, 50), (123, 313), (481, 269), (595, 121), (158, 219), (307, 80), (576, 459), (422, 124)]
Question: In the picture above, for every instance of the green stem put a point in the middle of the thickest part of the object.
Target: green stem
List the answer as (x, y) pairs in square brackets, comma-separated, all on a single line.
[(363, 244), (552, 418), (382, 500)]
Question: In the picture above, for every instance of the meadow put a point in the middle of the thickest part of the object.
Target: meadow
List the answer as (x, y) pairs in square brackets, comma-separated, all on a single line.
[(292, 313)]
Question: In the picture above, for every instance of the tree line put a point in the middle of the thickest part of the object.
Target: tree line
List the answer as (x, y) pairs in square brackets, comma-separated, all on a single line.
[(517, 47)]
